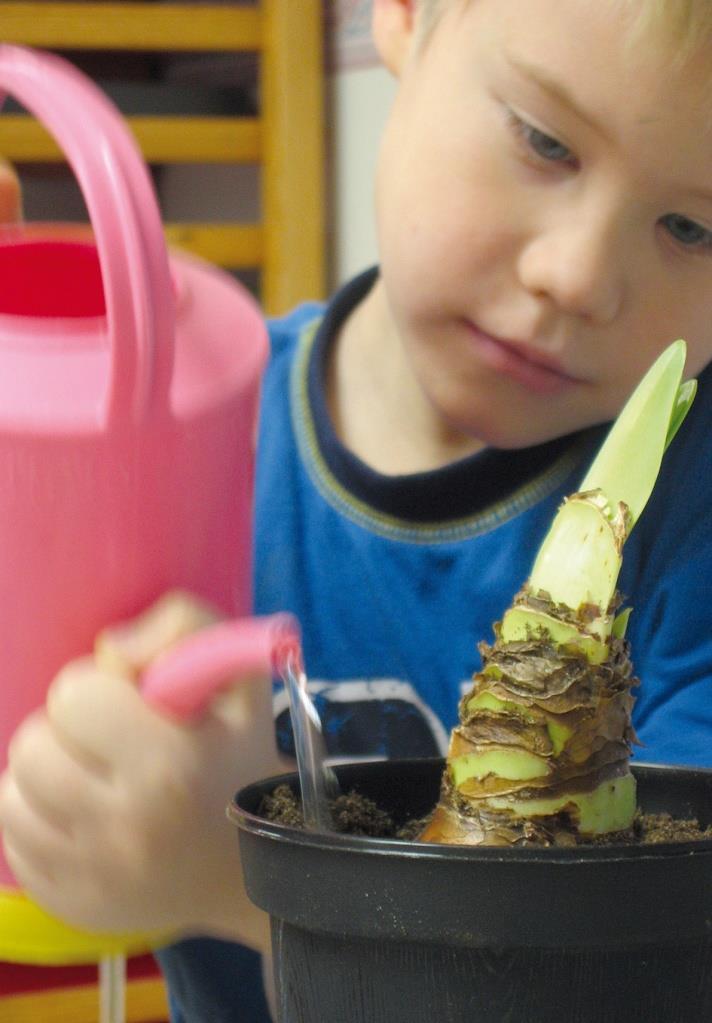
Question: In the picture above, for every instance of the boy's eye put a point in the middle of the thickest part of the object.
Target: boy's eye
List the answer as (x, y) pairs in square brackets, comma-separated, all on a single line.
[(546, 147), (687, 232)]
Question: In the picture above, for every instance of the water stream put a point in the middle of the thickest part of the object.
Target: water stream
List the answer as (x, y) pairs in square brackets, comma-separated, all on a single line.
[(317, 780)]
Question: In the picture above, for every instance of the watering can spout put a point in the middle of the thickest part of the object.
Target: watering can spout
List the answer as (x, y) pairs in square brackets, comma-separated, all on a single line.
[(184, 680)]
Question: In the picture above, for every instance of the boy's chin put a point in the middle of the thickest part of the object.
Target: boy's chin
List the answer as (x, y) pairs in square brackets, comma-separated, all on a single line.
[(516, 437)]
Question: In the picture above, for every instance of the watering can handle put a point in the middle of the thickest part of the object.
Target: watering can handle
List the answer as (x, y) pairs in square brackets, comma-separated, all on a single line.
[(183, 682), (124, 214)]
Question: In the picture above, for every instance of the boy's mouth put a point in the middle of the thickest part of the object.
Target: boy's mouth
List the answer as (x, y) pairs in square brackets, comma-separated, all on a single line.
[(535, 371)]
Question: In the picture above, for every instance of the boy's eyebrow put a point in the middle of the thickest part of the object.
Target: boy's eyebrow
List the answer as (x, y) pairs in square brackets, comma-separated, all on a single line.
[(557, 89), (701, 193)]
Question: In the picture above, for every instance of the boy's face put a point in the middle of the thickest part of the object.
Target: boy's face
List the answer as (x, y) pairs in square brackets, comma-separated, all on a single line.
[(544, 200)]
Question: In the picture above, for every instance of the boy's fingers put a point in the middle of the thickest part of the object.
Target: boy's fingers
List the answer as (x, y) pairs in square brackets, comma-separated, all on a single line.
[(64, 788), (129, 647), (31, 843), (102, 719)]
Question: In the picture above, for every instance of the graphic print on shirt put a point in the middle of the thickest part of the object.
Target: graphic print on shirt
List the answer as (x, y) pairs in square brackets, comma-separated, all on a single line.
[(369, 719)]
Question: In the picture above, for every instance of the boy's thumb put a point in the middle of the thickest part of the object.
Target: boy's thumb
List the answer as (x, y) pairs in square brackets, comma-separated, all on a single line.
[(128, 648)]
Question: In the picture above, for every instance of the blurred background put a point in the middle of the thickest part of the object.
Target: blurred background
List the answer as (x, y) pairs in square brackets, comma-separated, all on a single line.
[(212, 183)]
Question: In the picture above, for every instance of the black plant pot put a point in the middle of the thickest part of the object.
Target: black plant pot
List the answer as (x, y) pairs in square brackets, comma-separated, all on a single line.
[(380, 931)]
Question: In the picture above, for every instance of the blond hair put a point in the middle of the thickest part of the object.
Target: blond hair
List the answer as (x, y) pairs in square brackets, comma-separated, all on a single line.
[(683, 25)]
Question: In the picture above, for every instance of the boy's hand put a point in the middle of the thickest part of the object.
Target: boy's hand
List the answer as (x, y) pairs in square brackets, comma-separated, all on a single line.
[(114, 816), (10, 202)]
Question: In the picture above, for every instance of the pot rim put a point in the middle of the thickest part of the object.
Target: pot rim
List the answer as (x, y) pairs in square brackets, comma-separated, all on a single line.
[(251, 822)]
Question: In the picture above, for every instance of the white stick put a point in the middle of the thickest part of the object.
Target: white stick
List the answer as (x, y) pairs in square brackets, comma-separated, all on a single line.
[(112, 989)]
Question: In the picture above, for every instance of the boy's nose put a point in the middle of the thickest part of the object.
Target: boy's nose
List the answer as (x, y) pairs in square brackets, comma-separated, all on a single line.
[(577, 266)]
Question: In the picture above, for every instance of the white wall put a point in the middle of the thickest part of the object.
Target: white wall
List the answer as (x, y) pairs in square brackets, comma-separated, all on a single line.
[(360, 95), (359, 103)]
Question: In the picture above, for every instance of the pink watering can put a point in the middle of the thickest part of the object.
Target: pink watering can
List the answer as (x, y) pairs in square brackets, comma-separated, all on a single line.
[(129, 388)]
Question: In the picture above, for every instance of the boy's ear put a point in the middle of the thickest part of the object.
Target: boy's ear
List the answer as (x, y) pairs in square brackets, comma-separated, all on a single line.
[(393, 28)]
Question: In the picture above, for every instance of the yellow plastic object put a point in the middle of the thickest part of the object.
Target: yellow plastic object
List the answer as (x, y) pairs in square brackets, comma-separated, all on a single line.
[(31, 936)]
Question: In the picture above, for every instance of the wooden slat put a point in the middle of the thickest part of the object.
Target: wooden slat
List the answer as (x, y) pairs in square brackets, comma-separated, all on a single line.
[(133, 26), (232, 245), (171, 139), (145, 1001), (293, 174), (237, 246), (10, 203)]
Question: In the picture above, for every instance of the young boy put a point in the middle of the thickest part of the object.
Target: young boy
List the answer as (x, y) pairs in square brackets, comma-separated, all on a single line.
[(544, 207)]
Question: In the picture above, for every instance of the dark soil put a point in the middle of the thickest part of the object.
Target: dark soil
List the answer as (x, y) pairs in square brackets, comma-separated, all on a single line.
[(354, 814), (351, 814)]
